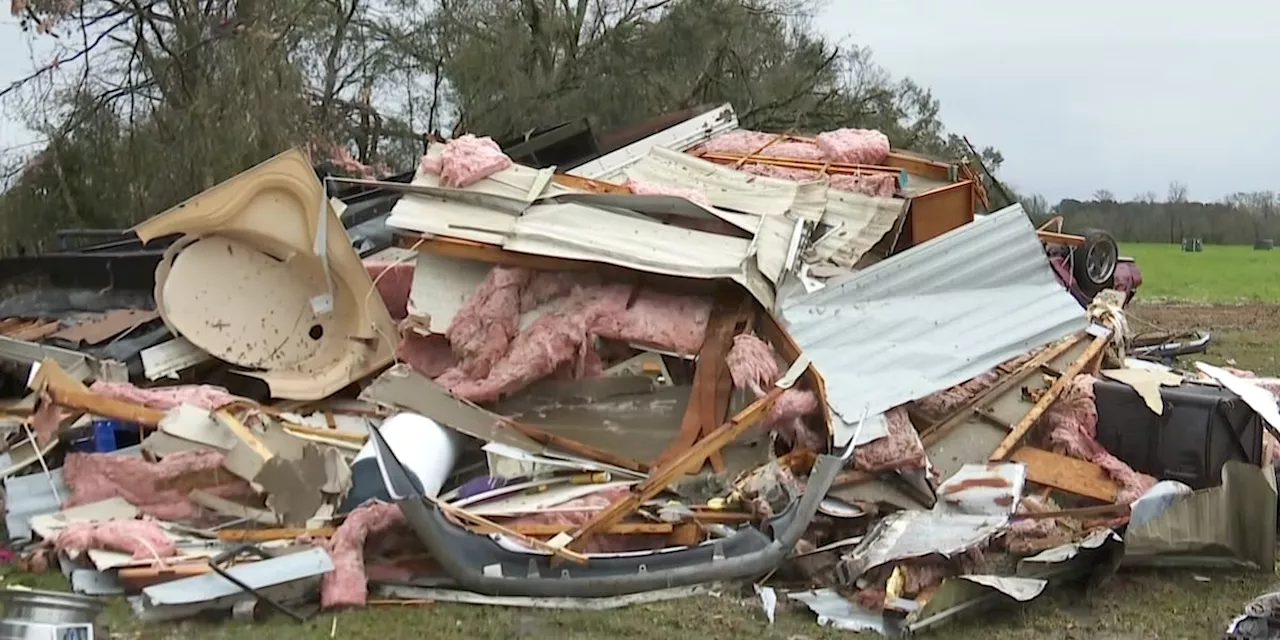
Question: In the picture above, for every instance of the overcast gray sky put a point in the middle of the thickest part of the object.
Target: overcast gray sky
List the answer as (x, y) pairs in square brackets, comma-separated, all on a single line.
[(1118, 94), (1124, 95)]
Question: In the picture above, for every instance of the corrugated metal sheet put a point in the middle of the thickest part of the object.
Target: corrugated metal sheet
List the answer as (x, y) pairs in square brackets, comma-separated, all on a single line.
[(731, 189), (680, 137), (520, 210), (932, 317)]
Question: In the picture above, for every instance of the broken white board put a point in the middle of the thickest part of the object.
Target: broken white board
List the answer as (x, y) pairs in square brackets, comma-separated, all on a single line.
[(1258, 399), (442, 285), (48, 526), (544, 501), (258, 575), (197, 425), (166, 359)]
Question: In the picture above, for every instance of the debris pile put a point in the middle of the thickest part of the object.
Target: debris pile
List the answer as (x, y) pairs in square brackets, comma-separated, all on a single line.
[(613, 388)]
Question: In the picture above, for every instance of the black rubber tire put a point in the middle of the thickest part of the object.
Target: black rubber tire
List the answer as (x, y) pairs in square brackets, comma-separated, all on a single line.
[(1104, 251)]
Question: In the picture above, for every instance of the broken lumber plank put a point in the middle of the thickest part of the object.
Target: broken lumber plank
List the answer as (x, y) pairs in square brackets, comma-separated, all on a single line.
[(541, 529), (588, 184), (573, 446), (933, 434), (1067, 474), (1065, 239), (267, 535), (463, 514), (1105, 510), (66, 391), (468, 250), (135, 579), (332, 432), (712, 386), (1024, 425), (244, 434), (685, 535), (666, 474), (713, 402)]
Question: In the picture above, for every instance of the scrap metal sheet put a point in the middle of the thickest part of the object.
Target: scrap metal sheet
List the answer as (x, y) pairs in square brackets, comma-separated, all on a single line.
[(934, 316)]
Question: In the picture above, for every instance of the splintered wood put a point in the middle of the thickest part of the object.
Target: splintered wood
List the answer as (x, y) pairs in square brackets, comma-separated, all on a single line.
[(667, 473), (1024, 425), (712, 385), (1066, 474)]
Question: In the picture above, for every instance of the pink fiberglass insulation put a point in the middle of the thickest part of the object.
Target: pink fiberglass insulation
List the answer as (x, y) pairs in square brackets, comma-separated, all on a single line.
[(429, 355), (101, 476), (854, 146), (483, 328), (753, 364), (1027, 536), (139, 538), (431, 165), (346, 585), (165, 398), (393, 280), (466, 160), (45, 421), (880, 185), (546, 286), (901, 449), (946, 402), (668, 321), (492, 360), (743, 142), (784, 173), (1072, 423), (549, 343), (643, 188)]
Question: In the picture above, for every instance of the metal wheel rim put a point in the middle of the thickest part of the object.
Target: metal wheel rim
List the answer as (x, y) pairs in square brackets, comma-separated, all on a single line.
[(1100, 262)]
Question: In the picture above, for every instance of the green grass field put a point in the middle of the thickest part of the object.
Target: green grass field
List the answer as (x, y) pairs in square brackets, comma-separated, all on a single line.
[(1221, 274)]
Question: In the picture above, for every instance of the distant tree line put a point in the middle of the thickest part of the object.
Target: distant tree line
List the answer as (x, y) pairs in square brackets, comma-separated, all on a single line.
[(1240, 218)]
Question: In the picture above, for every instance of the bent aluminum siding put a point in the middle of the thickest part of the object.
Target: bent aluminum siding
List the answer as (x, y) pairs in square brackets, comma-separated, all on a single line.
[(933, 316)]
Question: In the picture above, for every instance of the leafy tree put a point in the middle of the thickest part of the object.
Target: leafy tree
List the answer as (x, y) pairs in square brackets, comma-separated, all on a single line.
[(174, 96)]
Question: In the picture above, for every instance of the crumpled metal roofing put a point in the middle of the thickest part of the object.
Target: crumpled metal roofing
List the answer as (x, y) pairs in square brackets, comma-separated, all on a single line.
[(932, 317)]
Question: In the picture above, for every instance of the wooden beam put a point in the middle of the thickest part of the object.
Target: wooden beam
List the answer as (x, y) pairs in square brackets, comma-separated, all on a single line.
[(68, 392), (242, 432), (467, 250), (830, 168), (1024, 425), (1067, 474), (1051, 237), (545, 530), (923, 167), (267, 535), (573, 446), (666, 474), (587, 184), (1011, 380), (709, 397), (467, 516), (1116, 510)]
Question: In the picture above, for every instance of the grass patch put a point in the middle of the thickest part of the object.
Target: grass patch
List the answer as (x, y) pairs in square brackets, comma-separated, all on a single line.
[(1221, 274)]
